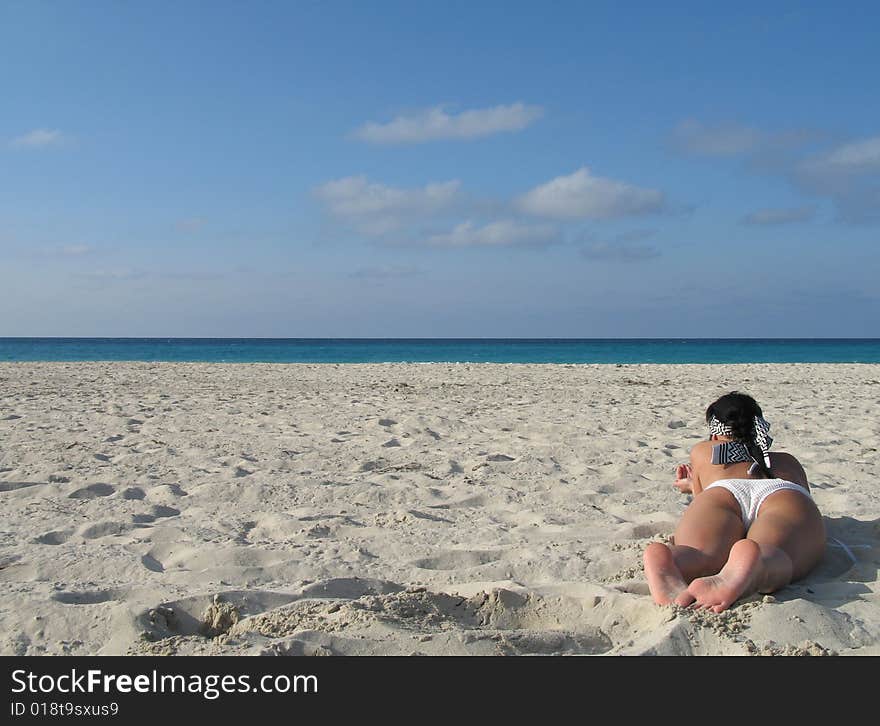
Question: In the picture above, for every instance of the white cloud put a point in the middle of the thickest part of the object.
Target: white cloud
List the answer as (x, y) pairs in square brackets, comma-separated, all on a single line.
[(853, 158), (857, 156), (436, 124), (190, 275), (584, 196), (728, 139), (114, 274), (612, 252), (377, 208), (847, 175), (38, 139), (386, 272), (496, 234), (772, 217)]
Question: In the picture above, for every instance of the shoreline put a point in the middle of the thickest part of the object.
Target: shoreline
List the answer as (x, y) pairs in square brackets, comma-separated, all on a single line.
[(419, 363)]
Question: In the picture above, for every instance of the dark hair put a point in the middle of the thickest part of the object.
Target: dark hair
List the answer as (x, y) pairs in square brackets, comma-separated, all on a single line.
[(738, 410)]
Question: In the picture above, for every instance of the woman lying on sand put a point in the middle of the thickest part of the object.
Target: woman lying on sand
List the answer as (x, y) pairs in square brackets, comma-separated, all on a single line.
[(752, 525)]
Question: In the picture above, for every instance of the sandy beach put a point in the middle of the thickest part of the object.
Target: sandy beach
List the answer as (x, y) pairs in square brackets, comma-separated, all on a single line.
[(185, 508)]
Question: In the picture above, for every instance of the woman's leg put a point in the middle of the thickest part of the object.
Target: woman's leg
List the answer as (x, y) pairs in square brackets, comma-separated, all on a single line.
[(702, 541), (785, 542)]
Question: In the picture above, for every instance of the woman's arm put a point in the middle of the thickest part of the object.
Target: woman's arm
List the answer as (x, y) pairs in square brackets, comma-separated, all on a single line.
[(687, 480), (684, 479), (696, 486)]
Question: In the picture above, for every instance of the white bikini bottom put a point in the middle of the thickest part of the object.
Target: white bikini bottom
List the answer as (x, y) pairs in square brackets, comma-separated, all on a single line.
[(751, 493)]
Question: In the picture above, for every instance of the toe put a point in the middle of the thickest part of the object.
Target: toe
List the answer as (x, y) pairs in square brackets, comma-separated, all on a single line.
[(685, 599)]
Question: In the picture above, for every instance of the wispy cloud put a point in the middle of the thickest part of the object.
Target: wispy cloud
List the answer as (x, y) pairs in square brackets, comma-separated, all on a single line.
[(846, 174), (852, 159), (764, 149), (67, 251), (76, 250), (582, 195), (727, 139), (849, 175), (190, 275), (504, 233), (111, 274), (624, 247), (376, 208), (619, 252), (120, 274), (437, 124), (385, 272), (859, 205), (38, 139), (774, 217)]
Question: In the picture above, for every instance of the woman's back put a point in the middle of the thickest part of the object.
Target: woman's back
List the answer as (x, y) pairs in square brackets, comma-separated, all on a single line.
[(782, 465)]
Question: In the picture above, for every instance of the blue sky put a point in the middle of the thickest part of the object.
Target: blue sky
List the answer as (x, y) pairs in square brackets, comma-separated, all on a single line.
[(472, 169)]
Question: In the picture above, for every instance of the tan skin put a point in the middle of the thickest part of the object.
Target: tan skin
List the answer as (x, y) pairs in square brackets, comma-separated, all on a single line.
[(714, 561)]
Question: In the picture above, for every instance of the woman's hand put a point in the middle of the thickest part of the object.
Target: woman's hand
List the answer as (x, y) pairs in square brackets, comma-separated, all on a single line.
[(683, 481)]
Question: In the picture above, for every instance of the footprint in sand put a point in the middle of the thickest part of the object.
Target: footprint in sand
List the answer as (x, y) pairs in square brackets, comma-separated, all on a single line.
[(56, 537), (190, 616), (476, 501), (157, 512), (317, 531), (373, 465), (430, 517), (349, 587), (86, 597), (166, 490), (11, 486), (647, 530), (92, 491), (104, 529), (458, 559), (499, 457), (151, 563)]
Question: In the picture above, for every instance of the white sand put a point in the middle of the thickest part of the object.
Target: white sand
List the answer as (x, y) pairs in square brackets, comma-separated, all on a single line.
[(398, 508)]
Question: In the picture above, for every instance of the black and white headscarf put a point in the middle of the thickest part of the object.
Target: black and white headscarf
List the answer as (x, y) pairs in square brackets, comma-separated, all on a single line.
[(731, 452)]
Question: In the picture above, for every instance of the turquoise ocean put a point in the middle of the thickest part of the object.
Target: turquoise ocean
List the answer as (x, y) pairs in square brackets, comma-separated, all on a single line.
[(442, 350)]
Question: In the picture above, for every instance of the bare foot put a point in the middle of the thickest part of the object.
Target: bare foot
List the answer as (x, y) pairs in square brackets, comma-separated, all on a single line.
[(684, 599), (664, 579), (720, 591)]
